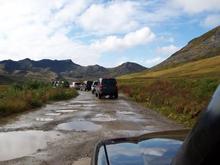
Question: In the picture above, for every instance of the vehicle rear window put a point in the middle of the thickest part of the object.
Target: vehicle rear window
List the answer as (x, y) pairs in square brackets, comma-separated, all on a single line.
[(89, 82), (109, 82)]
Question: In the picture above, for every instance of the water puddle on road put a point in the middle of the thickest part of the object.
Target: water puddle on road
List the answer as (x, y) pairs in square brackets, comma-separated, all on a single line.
[(82, 102), (103, 118), (126, 113), (79, 126), (75, 105), (21, 143), (53, 114), (65, 111), (90, 105), (129, 116), (44, 119), (83, 113)]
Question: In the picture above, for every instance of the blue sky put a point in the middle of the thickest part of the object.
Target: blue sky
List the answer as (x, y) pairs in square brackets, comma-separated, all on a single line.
[(102, 32)]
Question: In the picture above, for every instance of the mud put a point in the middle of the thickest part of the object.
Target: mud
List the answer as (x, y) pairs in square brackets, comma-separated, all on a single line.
[(22, 143), (79, 126), (65, 132)]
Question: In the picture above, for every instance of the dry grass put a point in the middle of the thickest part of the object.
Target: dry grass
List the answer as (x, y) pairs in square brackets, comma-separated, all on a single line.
[(19, 98), (199, 68), (180, 93)]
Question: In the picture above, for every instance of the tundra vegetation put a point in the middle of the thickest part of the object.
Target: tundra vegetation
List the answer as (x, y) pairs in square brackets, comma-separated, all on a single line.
[(180, 92), (20, 97)]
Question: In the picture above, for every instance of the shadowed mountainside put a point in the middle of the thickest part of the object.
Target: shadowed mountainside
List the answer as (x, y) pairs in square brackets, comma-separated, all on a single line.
[(50, 69), (205, 46)]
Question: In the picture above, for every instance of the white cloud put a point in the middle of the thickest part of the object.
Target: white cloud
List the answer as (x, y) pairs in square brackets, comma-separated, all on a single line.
[(153, 61), (161, 13), (161, 54), (38, 47), (212, 21), (113, 17), (167, 50), (84, 30), (112, 43), (197, 6), (38, 29), (69, 12)]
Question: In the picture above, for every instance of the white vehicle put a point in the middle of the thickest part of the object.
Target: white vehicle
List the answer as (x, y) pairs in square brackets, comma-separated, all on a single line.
[(75, 85)]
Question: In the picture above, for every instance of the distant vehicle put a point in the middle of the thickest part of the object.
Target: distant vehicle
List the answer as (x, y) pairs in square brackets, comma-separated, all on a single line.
[(61, 83), (86, 86), (200, 147), (94, 84), (75, 85), (107, 87)]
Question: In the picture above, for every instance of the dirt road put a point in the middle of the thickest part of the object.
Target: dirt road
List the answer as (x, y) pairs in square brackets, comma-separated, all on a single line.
[(65, 132)]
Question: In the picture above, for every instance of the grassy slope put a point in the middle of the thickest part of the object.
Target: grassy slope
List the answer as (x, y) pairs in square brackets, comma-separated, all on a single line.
[(179, 93), (206, 67)]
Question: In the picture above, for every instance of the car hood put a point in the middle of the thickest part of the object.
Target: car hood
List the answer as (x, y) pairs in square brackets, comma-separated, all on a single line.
[(154, 149)]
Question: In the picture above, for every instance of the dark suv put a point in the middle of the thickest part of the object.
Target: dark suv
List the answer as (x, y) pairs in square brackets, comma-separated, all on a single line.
[(86, 86), (94, 84), (107, 87)]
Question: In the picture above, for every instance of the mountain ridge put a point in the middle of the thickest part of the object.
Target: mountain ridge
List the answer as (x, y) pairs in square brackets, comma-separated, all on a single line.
[(52, 69), (205, 46)]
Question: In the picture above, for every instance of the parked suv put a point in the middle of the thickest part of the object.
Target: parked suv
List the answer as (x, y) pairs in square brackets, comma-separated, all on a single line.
[(86, 86), (75, 85), (107, 86), (94, 84)]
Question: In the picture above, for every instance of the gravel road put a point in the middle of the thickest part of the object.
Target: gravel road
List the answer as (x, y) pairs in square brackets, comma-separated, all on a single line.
[(66, 132)]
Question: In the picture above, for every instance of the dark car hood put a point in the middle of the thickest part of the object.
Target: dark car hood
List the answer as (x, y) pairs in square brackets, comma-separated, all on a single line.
[(153, 149)]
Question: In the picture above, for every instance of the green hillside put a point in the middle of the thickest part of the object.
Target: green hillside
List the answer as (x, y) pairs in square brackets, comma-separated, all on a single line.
[(180, 93), (204, 46), (209, 67)]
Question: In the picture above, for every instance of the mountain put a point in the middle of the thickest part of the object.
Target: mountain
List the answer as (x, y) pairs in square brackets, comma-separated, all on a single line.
[(205, 46), (28, 64), (47, 69), (126, 68)]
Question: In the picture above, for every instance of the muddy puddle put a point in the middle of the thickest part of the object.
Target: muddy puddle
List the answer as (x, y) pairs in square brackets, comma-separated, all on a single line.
[(90, 105), (129, 116), (83, 113), (103, 118), (82, 102), (21, 143), (44, 119), (65, 111), (79, 126), (52, 114), (126, 113)]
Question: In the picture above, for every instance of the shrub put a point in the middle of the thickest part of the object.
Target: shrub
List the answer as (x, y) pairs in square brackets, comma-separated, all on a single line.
[(31, 94), (180, 99)]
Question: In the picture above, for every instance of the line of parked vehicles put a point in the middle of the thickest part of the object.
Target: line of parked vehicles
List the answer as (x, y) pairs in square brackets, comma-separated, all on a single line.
[(101, 88)]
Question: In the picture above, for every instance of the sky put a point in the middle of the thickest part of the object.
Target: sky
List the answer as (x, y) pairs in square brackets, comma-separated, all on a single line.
[(103, 32)]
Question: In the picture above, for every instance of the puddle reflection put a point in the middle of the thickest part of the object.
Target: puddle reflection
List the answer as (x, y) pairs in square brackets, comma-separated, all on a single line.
[(103, 118), (79, 126), (21, 143), (65, 111)]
